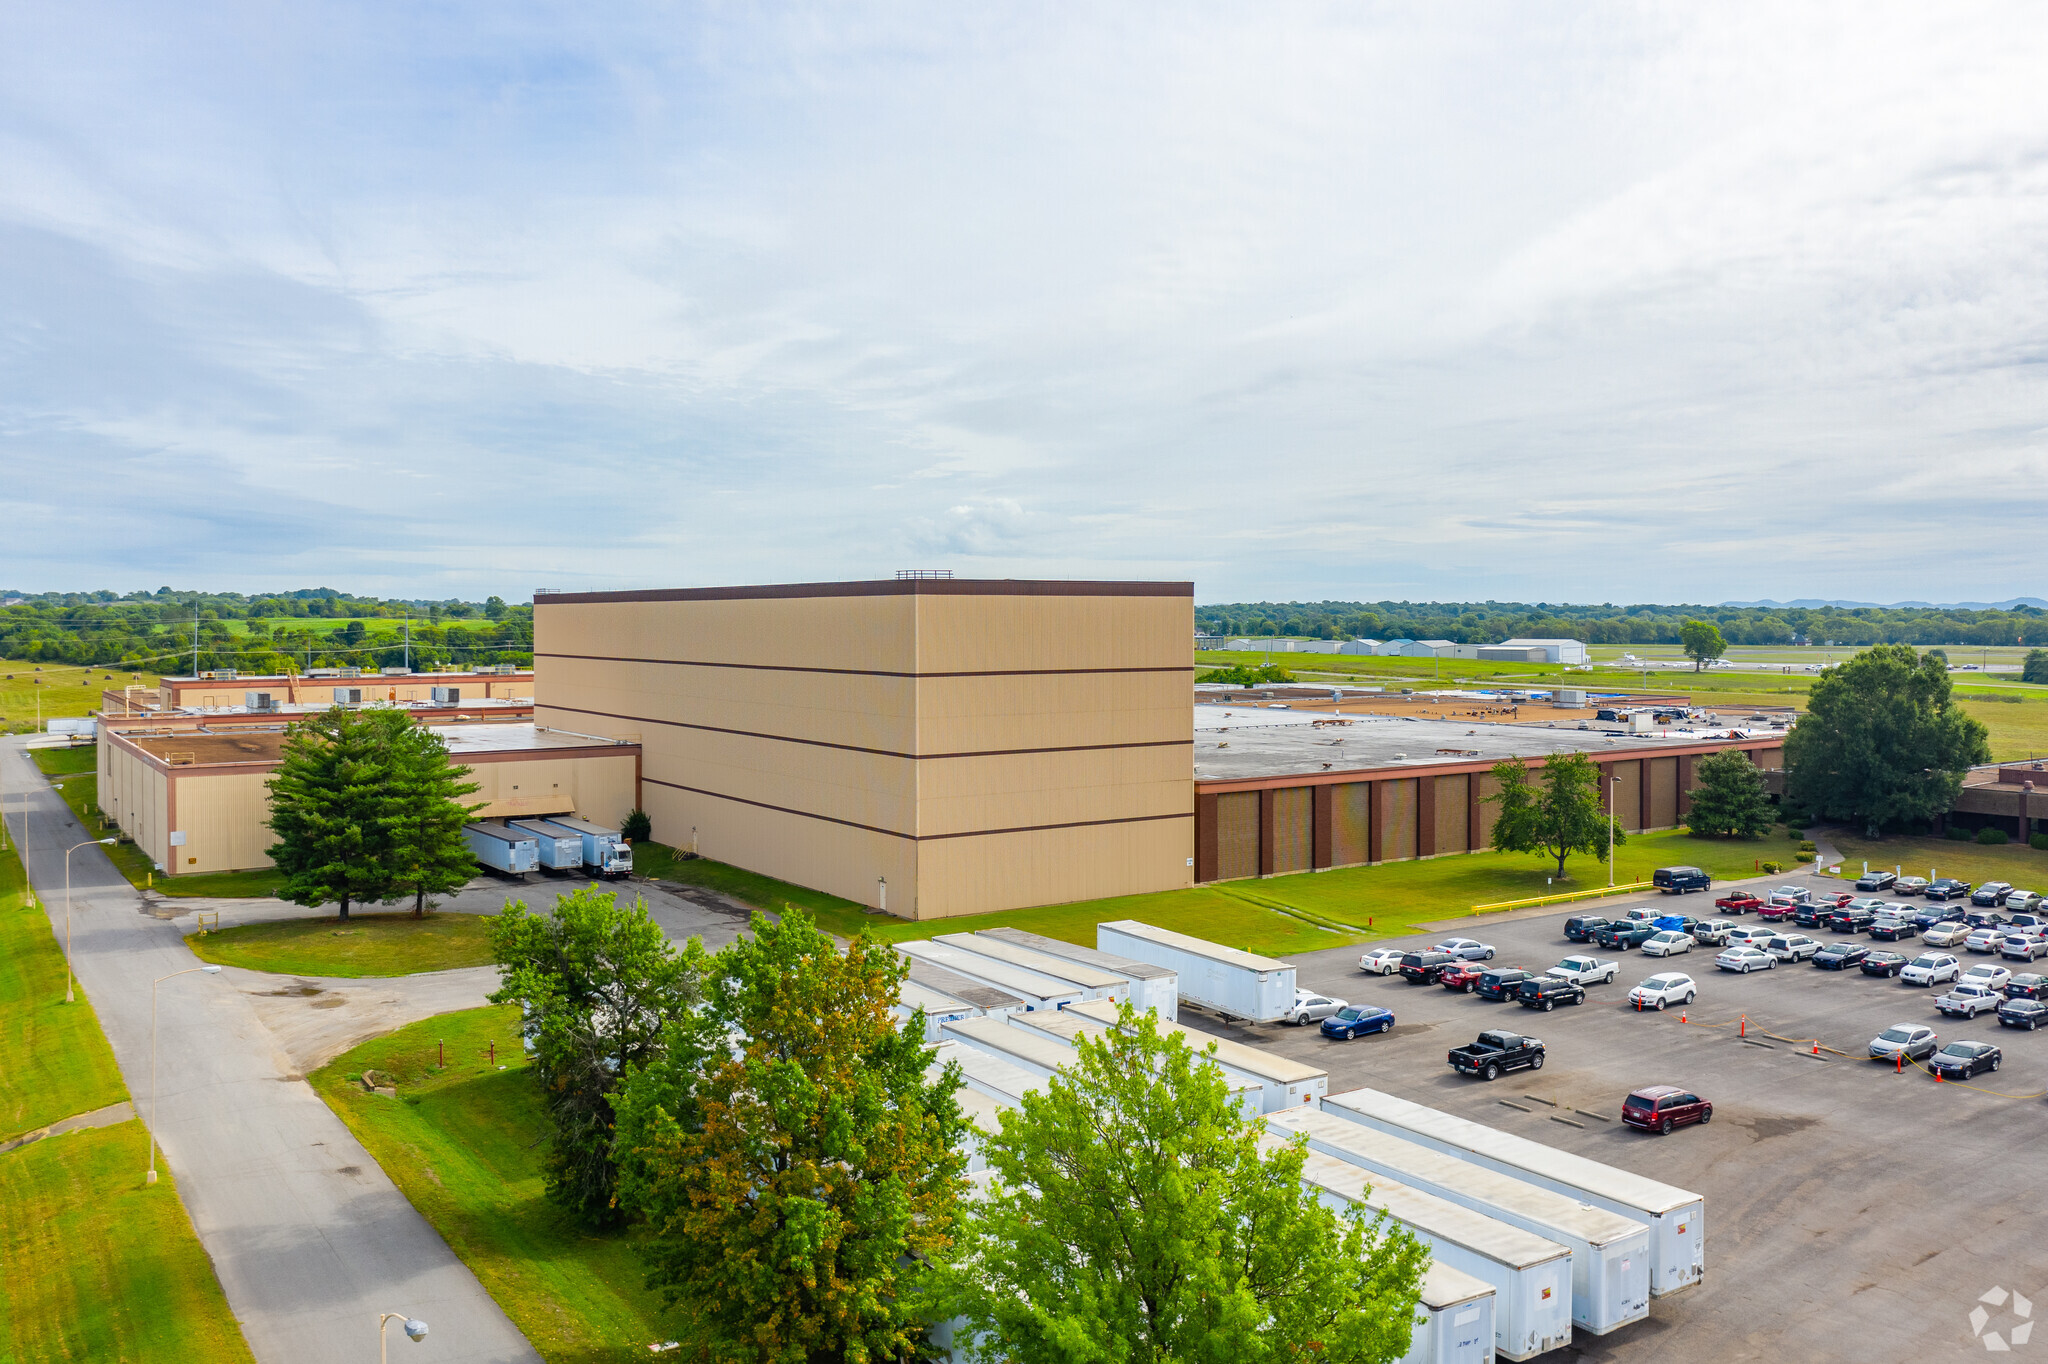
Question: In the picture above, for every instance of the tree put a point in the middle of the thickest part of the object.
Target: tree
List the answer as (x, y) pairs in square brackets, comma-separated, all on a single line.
[(1883, 742), (1245, 675), (1138, 1215), (637, 827), (1729, 801), (329, 807), (1701, 640), (599, 986), (798, 1168), (1558, 818), (429, 855), (2036, 667)]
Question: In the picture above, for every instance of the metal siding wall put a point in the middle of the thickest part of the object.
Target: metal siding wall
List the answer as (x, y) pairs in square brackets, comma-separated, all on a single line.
[(1450, 814), (1237, 835), (1350, 824), (1663, 792), (1628, 797), (1483, 786), (1396, 835), (1292, 815)]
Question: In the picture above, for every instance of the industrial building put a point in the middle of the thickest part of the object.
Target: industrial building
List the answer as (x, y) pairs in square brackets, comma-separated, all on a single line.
[(931, 746), (230, 690)]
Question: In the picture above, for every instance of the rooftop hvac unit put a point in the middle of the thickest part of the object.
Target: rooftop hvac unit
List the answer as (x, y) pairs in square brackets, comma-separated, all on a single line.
[(325, 672), (219, 675), (348, 696), (259, 700), (446, 696), (494, 669), (396, 672), (351, 672)]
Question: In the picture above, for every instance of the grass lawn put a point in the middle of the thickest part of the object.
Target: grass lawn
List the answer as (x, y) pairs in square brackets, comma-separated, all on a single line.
[(1972, 862), (100, 1267), (54, 1060), (67, 691), (66, 761), (367, 945), (2017, 731), (464, 1145)]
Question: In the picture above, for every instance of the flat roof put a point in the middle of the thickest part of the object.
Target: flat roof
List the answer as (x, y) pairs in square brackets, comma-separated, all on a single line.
[(1426, 1213), (1059, 968), (1054, 947), (1031, 985), (885, 587), (267, 745), (328, 677), (1236, 1055), (1251, 744), (938, 979), (1181, 942)]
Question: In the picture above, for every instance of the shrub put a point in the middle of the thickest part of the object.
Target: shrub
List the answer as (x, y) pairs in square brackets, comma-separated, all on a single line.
[(1992, 836), (1805, 856), (2039, 842), (1808, 846), (637, 827), (1773, 868), (1957, 834)]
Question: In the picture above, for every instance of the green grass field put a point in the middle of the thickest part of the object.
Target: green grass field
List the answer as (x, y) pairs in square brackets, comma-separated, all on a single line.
[(66, 692), (464, 1144), (54, 1060), (367, 945), (1972, 862)]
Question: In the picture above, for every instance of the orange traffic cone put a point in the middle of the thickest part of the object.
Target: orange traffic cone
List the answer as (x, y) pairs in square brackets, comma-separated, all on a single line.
[(1937, 1077), (1816, 1046)]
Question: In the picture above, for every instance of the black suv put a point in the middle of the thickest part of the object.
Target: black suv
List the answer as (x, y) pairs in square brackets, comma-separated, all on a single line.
[(1547, 992), (1679, 880), (1499, 982), (1582, 927), (1423, 968), (1810, 915), (1849, 920)]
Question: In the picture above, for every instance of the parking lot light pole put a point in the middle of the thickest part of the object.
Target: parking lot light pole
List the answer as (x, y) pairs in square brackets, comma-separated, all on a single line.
[(67, 909), (415, 1331), (1614, 794), (209, 970)]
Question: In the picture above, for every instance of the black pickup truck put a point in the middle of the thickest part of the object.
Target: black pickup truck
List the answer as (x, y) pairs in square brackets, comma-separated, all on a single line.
[(1624, 934), (1497, 1051)]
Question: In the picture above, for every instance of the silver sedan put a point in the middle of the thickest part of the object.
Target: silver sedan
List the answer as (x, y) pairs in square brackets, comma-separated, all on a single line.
[(1466, 948), (1310, 1007)]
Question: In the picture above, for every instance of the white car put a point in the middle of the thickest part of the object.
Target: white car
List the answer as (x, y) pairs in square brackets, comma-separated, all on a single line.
[(1585, 970), (1967, 1001), (1792, 947), (1985, 939), (1668, 943), (1931, 969), (1752, 935), (2021, 900), (1989, 976), (1384, 961), (1913, 1040), (1658, 991), (1745, 959), (1465, 948), (1310, 1007), (2020, 947)]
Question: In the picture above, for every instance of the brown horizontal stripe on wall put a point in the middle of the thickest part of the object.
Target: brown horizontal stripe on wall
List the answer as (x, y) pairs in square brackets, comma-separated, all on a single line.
[(1411, 770), (876, 752), (912, 838), (886, 587), (868, 672)]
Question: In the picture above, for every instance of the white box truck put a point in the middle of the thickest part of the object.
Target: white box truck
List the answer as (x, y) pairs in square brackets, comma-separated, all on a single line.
[(502, 849), (1092, 981), (1152, 987), (1610, 1253), (1283, 1083), (560, 850), (1036, 990), (605, 851), (1677, 1219), (1221, 979), (1453, 1319), (1531, 1275)]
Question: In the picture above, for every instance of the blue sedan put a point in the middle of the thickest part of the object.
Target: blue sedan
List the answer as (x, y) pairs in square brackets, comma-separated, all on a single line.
[(1355, 1019)]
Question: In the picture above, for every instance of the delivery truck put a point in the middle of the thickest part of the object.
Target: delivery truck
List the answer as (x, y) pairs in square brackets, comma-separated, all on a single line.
[(605, 851)]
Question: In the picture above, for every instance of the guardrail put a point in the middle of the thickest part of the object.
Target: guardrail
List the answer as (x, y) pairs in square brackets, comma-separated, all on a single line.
[(1594, 893)]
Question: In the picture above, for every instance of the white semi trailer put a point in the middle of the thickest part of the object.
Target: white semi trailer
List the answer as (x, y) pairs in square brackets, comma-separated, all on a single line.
[(1453, 1319), (559, 849), (1221, 979), (502, 849), (1283, 1083), (1152, 987)]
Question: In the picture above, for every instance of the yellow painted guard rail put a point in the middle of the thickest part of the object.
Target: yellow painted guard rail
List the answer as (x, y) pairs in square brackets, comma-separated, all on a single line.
[(1593, 893)]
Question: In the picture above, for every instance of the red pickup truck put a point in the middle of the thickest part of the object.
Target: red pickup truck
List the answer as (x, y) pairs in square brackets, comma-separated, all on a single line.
[(1740, 902)]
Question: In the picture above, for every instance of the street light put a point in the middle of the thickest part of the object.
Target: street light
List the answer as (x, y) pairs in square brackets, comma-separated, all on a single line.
[(209, 970), (415, 1331), (67, 908), (1614, 784)]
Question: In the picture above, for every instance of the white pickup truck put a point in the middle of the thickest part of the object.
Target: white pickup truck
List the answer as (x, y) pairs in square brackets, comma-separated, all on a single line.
[(1967, 1001), (1585, 970)]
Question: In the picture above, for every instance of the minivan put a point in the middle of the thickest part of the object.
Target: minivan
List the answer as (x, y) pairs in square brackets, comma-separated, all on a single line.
[(1663, 1107), (1679, 880)]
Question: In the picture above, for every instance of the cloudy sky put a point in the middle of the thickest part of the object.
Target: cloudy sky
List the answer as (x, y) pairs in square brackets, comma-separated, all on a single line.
[(1615, 303)]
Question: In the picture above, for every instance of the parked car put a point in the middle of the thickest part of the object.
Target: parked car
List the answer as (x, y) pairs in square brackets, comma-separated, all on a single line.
[(1460, 976), (2022, 947), (2027, 985), (1668, 943), (1965, 1060), (1739, 902), (2022, 900), (1987, 975), (1982, 918), (1660, 1108), (1381, 961), (1925, 919), (1909, 885), (1743, 960), (1658, 991), (1751, 935), (1931, 968), (1811, 914), (1967, 1001), (1547, 992), (1680, 880), (1990, 893), (1677, 923), (1848, 919), (1422, 968), (1497, 1051), (1876, 880), (1947, 888), (1984, 939), (1792, 947), (1499, 982), (1946, 935), (1356, 1020), (1466, 949), (1712, 932), (2036, 922), (1892, 928), (1586, 970), (1777, 911), (1582, 927), (1871, 903), (1310, 1007), (1641, 915), (1840, 956), (2023, 1013), (1791, 895), (1914, 1041), (1621, 937), (1884, 963)]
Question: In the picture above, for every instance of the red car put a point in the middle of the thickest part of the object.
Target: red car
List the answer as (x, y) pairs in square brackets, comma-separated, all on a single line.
[(1773, 913), (1741, 902), (1663, 1107), (1464, 976), (1833, 899)]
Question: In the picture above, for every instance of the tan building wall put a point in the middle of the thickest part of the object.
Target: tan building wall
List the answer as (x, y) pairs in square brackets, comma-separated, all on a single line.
[(977, 745), (215, 694)]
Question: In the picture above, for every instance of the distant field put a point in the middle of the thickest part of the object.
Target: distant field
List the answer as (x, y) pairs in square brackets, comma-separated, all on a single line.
[(67, 691)]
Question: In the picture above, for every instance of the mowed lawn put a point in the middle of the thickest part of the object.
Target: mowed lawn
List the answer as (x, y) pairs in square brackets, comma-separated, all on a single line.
[(54, 1060), (1973, 862), (465, 1145), (367, 945), (67, 692)]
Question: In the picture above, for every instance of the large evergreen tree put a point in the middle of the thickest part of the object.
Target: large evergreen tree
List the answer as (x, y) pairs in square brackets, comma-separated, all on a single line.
[(798, 1169), (1882, 742), (1558, 818), (330, 805), (428, 854), (1729, 801)]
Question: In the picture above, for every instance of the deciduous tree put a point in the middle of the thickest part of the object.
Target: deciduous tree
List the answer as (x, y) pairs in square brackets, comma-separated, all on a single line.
[(1701, 640), (1730, 801), (797, 1166), (1560, 817), (2035, 669), (1139, 1215)]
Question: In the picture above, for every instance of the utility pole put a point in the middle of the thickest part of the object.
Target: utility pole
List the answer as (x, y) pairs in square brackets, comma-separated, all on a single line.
[(195, 637), (408, 639)]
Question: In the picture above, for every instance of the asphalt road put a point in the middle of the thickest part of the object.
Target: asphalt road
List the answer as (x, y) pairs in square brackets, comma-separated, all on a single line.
[(310, 1239), (1852, 1213)]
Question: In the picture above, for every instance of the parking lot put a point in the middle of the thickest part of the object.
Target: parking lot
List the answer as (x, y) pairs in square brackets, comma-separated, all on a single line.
[(1852, 1213)]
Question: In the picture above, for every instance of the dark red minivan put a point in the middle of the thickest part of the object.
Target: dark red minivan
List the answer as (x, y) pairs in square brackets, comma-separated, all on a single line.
[(1663, 1107)]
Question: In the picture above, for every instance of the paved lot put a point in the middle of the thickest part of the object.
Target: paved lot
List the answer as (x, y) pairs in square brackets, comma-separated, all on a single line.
[(1852, 1214)]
